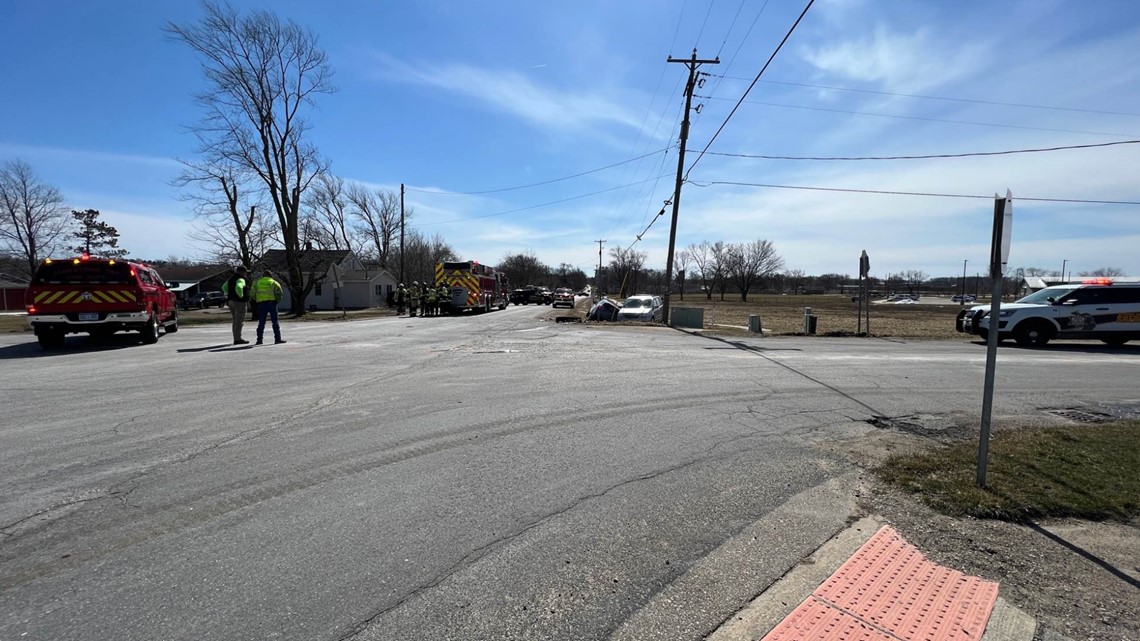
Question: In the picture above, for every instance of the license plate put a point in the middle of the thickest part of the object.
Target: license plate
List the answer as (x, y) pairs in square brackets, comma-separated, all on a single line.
[(89, 316), (1130, 317)]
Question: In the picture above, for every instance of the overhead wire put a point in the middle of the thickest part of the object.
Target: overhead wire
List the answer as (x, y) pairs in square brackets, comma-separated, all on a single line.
[(889, 192), (944, 120), (750, 86), (929, 156), (537, 184), (943, 98), (530, 207)]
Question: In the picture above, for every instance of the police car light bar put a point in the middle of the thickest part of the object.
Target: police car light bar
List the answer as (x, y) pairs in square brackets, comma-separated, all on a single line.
[(1097, 281)]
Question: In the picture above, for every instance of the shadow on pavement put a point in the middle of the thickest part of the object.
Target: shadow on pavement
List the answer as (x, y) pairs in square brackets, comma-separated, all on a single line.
[(1112, 569), (74, 344)]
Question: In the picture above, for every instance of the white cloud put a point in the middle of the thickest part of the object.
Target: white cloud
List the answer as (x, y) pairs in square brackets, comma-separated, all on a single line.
[(900, 62), (518, 94)]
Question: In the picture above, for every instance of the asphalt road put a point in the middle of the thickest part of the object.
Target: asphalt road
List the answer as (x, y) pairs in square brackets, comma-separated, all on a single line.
[(487, 477)]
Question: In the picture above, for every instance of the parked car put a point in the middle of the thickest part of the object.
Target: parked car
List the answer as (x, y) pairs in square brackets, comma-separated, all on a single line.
[(203, 300), (968, 298), (641, 307), (542, 296), (563, 296), (1096, 308), (603, 310)]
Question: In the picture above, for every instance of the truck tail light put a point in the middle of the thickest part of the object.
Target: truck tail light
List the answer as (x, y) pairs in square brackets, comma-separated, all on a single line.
[(31, 309)]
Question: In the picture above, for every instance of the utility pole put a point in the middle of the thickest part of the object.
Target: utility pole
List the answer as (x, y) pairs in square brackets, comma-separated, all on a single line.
[(692, 63), (598, 273), (962, 303), (401, 232)]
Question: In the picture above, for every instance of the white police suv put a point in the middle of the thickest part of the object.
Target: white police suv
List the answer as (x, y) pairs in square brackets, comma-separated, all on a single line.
[(1096, 309)]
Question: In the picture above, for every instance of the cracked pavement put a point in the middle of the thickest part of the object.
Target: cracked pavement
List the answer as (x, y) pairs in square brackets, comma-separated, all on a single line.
[(487, 477)]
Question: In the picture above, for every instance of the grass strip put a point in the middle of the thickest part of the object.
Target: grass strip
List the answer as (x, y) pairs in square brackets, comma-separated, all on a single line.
[(1083, 471)]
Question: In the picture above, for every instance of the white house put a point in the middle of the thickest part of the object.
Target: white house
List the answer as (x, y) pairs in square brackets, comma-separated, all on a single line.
[(339, 279)]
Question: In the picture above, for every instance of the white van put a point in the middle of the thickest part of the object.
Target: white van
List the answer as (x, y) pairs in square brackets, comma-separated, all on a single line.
[(1096, 308)]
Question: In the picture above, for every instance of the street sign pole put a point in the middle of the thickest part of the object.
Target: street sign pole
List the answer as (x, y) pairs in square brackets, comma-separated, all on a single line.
[(864, 280), (999, 255)]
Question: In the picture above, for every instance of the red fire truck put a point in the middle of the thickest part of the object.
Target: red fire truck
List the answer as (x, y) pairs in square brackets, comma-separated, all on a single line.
[(475, 287)]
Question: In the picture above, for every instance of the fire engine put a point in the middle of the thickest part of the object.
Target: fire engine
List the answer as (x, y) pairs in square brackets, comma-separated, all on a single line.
[(475, 287)]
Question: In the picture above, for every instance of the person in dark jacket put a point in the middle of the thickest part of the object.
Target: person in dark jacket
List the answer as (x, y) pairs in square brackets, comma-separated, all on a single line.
[(236, 290)]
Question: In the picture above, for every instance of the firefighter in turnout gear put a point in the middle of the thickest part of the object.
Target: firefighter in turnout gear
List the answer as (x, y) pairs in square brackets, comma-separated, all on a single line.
[(432, 306), (413, 298), (443, 298), (401, 299), (423, 300)]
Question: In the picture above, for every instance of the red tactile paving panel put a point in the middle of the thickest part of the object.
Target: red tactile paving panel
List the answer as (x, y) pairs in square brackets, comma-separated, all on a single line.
[(888, 591)]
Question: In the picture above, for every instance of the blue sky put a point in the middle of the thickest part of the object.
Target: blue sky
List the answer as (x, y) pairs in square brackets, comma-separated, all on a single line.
[(453, 96)]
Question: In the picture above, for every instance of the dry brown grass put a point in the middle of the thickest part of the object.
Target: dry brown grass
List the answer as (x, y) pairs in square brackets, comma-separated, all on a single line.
[(836, 315)]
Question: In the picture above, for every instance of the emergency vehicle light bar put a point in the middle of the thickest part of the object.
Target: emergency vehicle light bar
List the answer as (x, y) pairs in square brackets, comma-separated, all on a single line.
[(1097, 281)]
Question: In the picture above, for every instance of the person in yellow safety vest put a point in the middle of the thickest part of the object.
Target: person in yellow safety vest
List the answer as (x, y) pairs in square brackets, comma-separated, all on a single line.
[(443, 294), (432, 306), (266, 295), (413, 298)]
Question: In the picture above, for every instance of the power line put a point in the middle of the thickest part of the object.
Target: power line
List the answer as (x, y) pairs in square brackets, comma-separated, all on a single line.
[(537, 184), (945, 120), (754, 81), (731, 26), (945, 98), (705, 22), (553, 202), (913, 193), (927, 156)]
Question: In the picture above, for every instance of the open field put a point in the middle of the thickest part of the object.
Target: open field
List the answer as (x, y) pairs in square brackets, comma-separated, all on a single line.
[(836, 315)]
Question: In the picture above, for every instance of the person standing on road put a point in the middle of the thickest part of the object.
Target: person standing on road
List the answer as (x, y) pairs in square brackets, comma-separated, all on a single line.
[(237, 297), (430, 310), (266, 296), (443, 297), (413, 298), (423, 300), (401, 299)]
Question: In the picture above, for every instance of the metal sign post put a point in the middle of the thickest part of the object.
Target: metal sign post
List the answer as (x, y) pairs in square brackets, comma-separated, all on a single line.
[(999, 256), (865, 295)]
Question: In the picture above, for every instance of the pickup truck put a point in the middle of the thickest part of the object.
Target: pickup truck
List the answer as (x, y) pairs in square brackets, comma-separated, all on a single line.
[(98, 296)]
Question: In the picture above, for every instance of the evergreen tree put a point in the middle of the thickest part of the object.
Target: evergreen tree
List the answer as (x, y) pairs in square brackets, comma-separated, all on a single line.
[(96, 237)]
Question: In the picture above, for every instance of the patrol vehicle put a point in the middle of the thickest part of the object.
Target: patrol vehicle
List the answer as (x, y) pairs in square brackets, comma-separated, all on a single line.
[(1097, 308)]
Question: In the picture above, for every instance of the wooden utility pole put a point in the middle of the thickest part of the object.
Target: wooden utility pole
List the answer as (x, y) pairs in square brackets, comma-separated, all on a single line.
[(401, 233), (692, 63), (598, 273)]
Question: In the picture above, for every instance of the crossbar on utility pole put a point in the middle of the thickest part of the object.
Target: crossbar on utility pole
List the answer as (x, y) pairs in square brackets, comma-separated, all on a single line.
[(692, 63)]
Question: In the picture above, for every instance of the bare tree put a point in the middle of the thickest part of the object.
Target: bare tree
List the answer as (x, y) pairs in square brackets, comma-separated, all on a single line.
[(1105, 271), (626, 266), (794, 278), (523, 269), (749, 262), (32, 215), (377, 214), (682, 262), (702, 258), (914, 280), (328, 205), (230, 218), (720, 266), (261, 73), (421, 255)]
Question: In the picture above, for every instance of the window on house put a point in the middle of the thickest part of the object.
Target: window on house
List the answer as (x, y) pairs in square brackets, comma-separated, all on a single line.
[(379, 290), (317, 290)]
